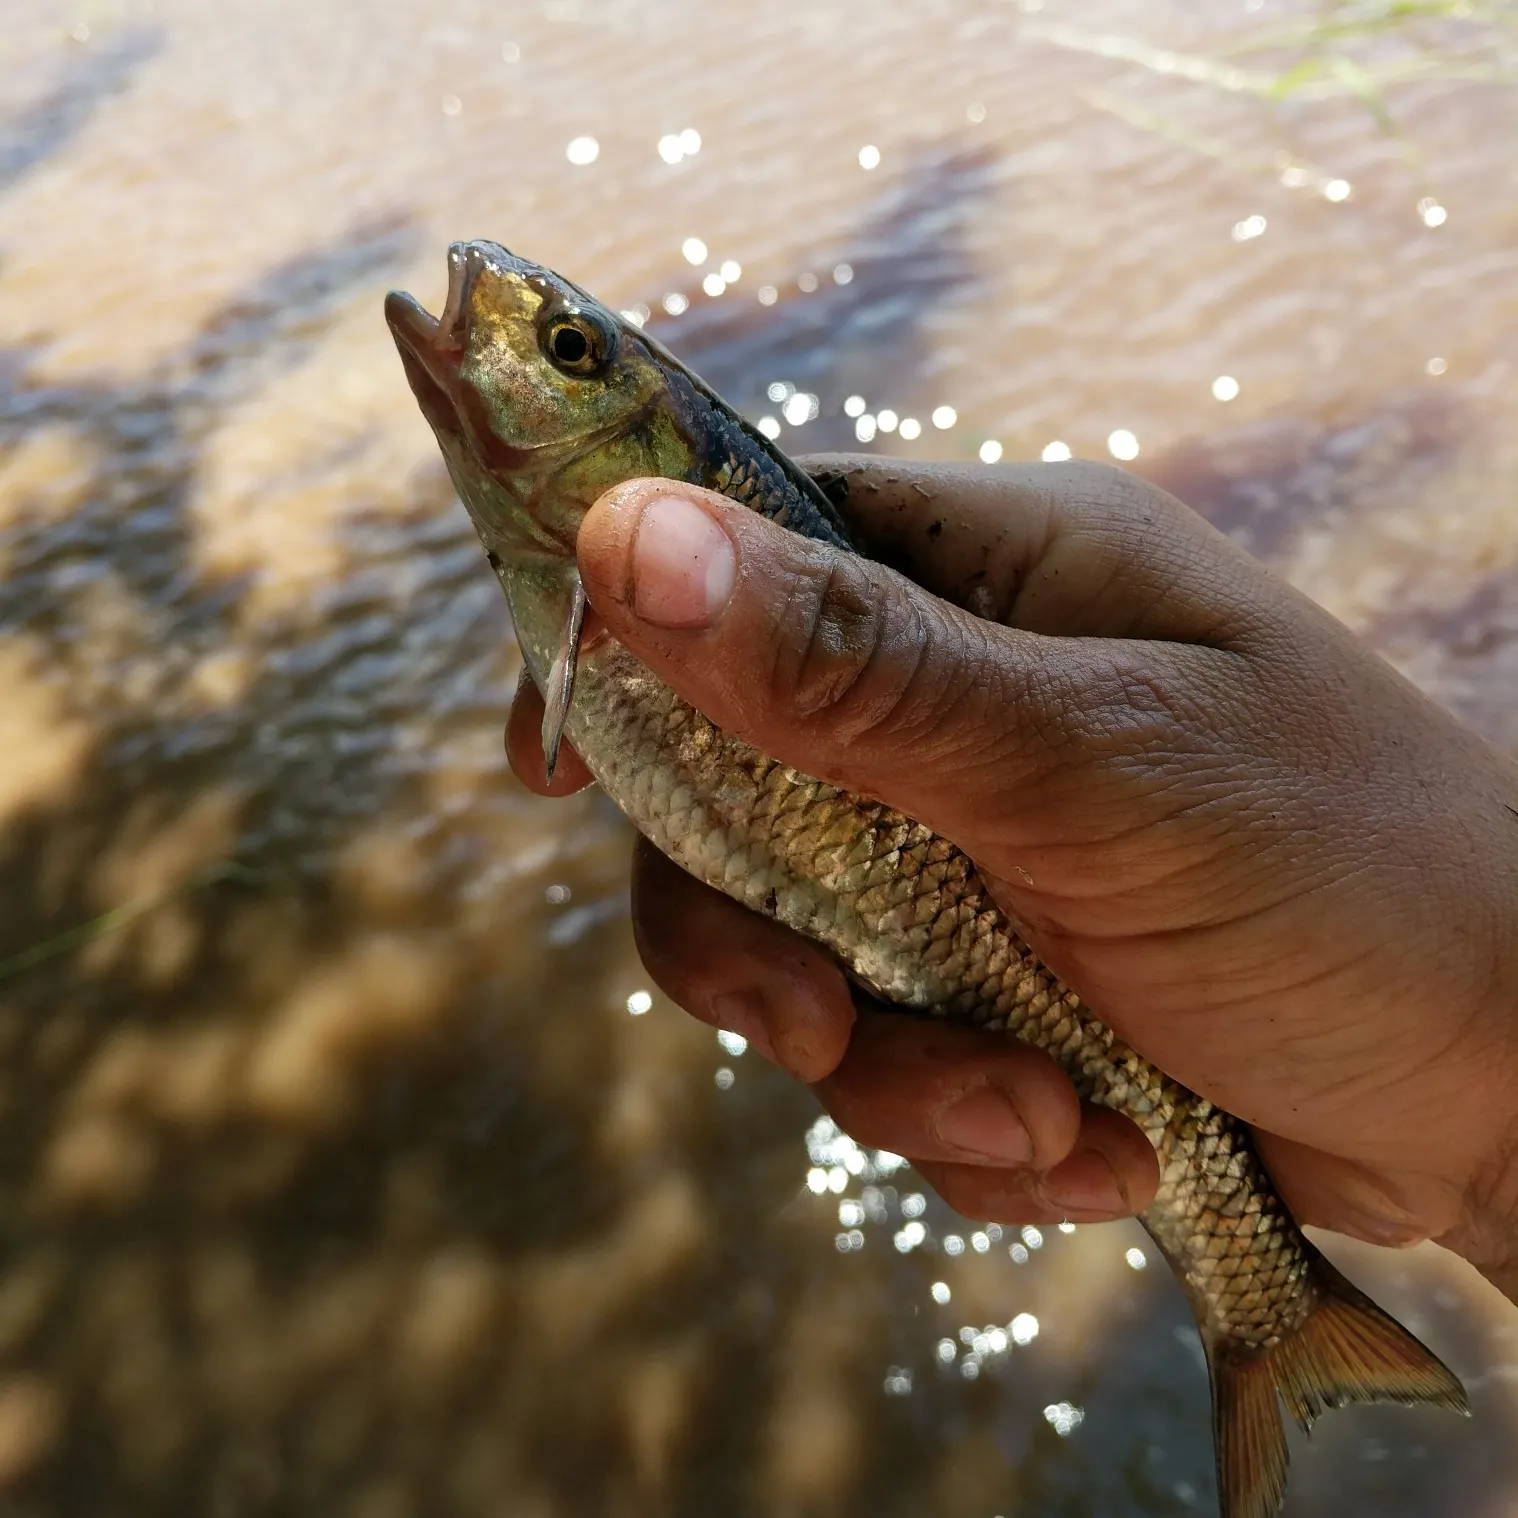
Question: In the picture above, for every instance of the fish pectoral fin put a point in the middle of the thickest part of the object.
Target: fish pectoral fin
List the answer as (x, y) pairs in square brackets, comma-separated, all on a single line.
[(561, 675), (1347, 1350)]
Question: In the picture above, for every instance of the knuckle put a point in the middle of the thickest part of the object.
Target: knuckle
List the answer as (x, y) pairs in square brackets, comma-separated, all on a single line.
[(857, 642), (1149, 714), (1001, 1195), (1110, 486)]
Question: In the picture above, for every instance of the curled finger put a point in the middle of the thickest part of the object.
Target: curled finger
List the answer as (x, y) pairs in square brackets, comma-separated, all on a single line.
[(524, 747), (737, 970)]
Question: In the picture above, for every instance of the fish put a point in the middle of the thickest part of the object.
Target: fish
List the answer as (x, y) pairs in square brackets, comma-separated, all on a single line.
[(541, 398)]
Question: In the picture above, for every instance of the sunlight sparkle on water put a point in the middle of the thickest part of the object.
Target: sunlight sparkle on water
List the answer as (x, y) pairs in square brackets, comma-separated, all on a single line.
[(953, 1244), (637, 315), (511, 52), (801, 408), (816, 1180), (833, 1152), (1137, 1259), (944, 417), (869, 156), (724, 1079), (992, 1342), (1122, 444), (886, 420), (850, 1213), (842, 273), (1032, 1237), (1433, 214), (780, 390), (913, 1204), (975, 112), (734, 1043), (714, 284), (910, 428), (1064, 1418), (990, 451), (673, 146), (452, 105), (980, 1242), (864, 428), (1436, 366), (854, 406), (675, 303), (1225, 387), (898, 1381), (1250, 227), (557, 895), (1055, 452), (770, 427), (1337, 189), (1019, 1253), (694, 250), (806, 282), (1067, 1227), (731, 270), (768, 295), (639, 1003), (940, 1292), (583, 150), (908, 1237)]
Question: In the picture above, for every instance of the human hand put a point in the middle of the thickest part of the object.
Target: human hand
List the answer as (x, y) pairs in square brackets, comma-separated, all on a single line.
[(1273, 866)]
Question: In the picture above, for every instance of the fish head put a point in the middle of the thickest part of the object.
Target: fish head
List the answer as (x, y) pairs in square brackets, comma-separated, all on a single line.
[(541, 399)]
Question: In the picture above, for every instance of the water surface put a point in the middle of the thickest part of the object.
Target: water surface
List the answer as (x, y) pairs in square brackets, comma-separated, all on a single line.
[(340, 1178)]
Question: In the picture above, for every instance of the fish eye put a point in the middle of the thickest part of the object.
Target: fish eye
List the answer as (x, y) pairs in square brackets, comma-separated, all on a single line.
[(576, 342)]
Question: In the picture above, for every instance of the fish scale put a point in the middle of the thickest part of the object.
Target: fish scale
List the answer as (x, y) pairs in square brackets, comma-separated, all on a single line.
[(926, 935), (532, 437)]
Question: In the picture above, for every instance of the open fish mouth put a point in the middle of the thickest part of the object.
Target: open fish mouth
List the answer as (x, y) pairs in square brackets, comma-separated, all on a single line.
[(432, 347), (432, 352)]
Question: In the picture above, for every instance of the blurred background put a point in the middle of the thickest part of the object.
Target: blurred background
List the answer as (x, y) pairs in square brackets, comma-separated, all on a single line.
[(348, 1165)]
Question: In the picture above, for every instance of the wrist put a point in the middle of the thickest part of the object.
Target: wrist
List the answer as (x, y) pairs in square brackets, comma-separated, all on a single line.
[(1487, 1233)]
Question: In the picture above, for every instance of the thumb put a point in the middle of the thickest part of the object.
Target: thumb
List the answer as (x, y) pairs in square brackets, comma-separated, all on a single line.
[(850, 672)]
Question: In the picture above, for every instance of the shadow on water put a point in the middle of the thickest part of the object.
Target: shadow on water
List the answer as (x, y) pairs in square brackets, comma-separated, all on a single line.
[(1267, 484), (908, 264), (320, 1193), (1464, 647), (145, 439), (308, 1201), (89, 80)]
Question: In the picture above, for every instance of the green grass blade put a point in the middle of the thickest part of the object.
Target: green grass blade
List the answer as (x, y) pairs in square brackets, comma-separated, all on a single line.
[(119, 917)]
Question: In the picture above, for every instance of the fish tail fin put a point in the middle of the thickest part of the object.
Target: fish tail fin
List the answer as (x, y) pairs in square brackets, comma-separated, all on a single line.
[(1248, 1439), (1348, 1350)]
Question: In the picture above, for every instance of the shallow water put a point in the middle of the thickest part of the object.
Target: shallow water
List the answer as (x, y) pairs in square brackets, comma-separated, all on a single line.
[(338, 1178)]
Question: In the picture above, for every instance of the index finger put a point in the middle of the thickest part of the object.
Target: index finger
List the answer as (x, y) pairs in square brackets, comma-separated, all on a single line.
[(1074, 549)]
